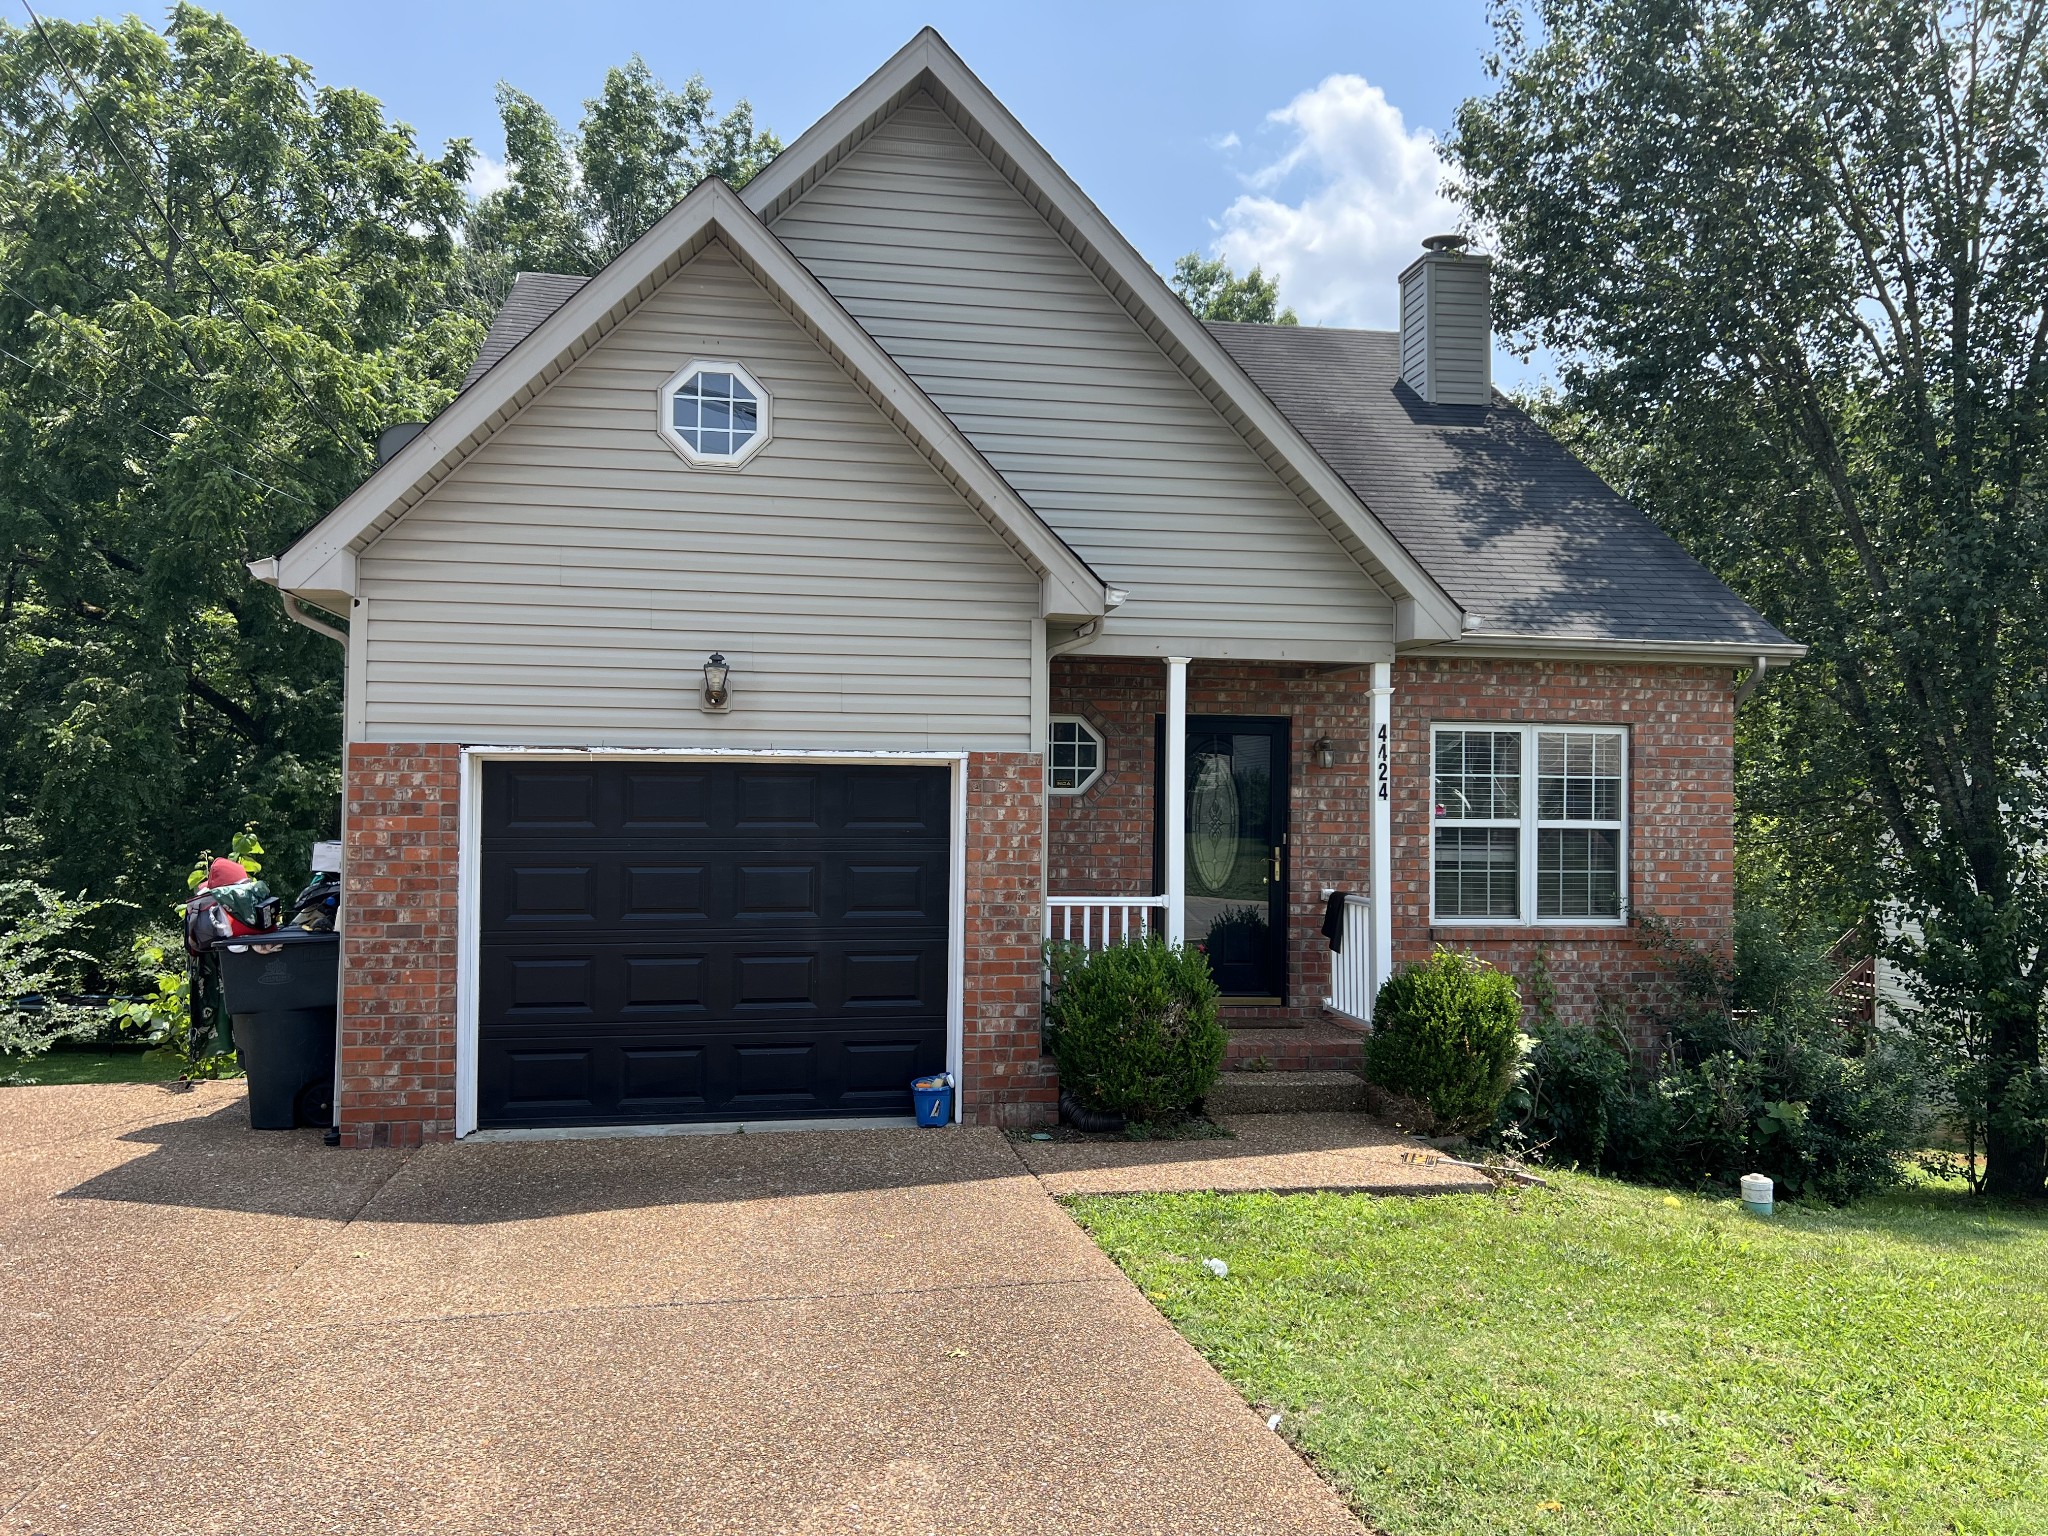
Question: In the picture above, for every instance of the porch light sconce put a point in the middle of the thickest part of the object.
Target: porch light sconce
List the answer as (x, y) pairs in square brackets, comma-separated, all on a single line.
[(716, 673), (1326, 752)]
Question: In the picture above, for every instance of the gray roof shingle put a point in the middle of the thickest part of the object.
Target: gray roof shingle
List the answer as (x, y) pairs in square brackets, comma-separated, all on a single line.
[(534, 296), (1529, 541)]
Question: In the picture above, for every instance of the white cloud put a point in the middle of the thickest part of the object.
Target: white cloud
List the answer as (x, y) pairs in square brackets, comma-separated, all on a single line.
[(1337, 216), (487, 176)]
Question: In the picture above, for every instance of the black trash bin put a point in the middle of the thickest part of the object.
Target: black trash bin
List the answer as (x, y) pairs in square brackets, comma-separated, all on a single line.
[(280, 996)]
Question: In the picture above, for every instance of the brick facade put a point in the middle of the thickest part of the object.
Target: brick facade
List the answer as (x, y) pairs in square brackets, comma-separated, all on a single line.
[(1009, 1081), (1681, 813), (1681, 777), (399, 950), (399, 946), (397, 1020), (1102, 841)]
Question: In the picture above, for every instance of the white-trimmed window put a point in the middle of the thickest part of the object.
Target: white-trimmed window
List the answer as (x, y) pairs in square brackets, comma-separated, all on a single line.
[(715, 414), (1073, 755), (1530, 823)]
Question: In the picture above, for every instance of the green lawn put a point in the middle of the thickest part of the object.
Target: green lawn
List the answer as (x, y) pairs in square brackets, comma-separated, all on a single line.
[(92, 1067), (1601, 1358)]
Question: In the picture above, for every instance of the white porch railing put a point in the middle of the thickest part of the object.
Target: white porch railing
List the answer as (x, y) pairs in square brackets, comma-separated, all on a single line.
[(1096, 922), (1352, 984)]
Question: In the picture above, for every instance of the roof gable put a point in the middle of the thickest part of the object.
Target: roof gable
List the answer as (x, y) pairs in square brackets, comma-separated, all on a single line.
[(928, 65), (322, 561)]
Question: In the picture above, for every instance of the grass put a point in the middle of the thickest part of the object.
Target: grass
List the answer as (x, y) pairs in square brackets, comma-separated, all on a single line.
[(1597, 1357), (89, 1067)]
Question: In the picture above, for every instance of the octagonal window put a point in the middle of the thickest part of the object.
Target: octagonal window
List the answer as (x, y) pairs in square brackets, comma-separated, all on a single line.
[(714, 414)]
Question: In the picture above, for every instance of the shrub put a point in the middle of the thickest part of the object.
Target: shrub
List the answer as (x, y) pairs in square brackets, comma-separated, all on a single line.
[(1134, 1027), (1446, 1034), (37, 961), (1777, 1087)]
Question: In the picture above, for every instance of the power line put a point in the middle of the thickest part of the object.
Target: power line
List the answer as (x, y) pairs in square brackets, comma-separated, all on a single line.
[(354, 446)]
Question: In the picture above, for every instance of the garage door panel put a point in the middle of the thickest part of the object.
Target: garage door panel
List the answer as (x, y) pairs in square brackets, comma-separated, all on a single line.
[(710, 940), (552, 1084), (671, 1079), (664, 984), (539, 891), (670, 800)]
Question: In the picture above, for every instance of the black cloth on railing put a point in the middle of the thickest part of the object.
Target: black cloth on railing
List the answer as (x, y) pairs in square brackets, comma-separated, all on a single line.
[(1333, 921)]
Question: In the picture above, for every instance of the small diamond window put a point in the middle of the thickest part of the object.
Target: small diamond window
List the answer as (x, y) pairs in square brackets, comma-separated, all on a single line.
[(714, 414), (1073, 755)]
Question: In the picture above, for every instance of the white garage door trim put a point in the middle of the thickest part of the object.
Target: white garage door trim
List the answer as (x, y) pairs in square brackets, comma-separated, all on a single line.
[(467, 897)]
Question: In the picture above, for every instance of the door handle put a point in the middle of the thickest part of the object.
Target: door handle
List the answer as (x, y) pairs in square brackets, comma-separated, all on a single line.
[(1275, 877)]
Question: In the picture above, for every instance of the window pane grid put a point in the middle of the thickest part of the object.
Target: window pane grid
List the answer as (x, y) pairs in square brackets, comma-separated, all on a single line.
[(1479, 775), (1073, 755), (1558, 856), (1578, 872), (715, 413), (1478, 872)]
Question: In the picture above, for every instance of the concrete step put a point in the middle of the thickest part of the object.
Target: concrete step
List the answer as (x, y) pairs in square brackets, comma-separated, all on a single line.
[(1280, 1093)]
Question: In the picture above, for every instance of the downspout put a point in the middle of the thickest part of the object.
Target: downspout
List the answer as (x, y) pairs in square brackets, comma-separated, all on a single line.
[(1749, 683), (1112, 598), (265, 571), (299, 615)]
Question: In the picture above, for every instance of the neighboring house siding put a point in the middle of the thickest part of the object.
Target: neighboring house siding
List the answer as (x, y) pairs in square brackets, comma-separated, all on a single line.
[(566, 584), (985, 306)]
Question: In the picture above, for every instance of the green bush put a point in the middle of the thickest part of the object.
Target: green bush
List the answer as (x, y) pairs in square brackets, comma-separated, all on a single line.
[(1777, 1087), (1134, 1027), (1447, 1034), (39, 959)]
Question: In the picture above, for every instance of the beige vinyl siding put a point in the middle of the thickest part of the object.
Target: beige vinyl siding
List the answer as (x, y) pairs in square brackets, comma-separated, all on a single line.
[(566, 583), (1461, 332), (981, 301), (1447, 331), (1415, 331)]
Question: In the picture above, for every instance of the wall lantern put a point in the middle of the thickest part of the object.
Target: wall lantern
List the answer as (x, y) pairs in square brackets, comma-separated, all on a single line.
[(716, 672), (1326, 752)]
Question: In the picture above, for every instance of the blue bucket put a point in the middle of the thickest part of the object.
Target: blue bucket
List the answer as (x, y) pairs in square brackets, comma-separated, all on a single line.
[(934, 1096)]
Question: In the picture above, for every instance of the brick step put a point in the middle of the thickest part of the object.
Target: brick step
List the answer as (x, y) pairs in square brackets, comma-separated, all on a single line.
[(1281, 1093)]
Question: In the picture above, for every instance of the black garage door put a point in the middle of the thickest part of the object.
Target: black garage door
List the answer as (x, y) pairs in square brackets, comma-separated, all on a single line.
[(710, 940)]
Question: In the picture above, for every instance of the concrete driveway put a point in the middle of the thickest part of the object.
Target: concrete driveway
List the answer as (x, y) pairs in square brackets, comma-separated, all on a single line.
[(207, 1329)]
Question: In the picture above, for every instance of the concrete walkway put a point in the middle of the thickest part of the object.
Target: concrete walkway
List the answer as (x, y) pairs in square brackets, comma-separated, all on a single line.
[(205, 1329)]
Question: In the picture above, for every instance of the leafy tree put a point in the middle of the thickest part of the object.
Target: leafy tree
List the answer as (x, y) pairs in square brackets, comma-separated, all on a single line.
[(1212, 291), (218, 281), (574, 201), (1795, 257)]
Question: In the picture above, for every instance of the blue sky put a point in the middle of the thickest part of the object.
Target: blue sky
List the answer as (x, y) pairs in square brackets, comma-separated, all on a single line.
[(1288, 134)]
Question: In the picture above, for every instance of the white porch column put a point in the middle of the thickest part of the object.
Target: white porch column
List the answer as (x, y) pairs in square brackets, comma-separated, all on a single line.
[(1176, 808), (1382, 826)]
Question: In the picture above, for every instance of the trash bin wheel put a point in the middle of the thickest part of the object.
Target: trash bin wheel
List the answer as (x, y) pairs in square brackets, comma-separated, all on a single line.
[(315, 1103)]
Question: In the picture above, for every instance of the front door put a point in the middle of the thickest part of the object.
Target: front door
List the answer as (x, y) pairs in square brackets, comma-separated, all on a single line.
[(1237, 850)]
